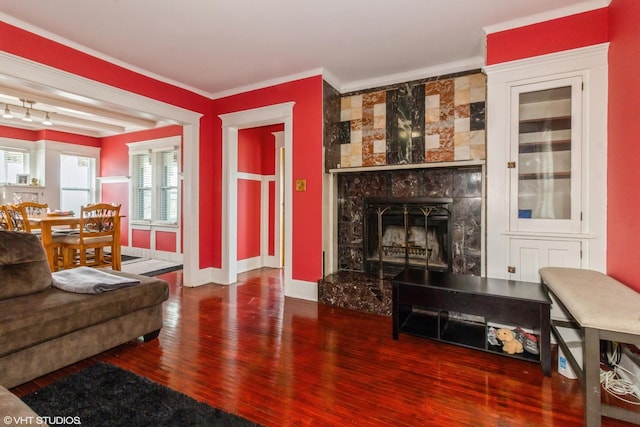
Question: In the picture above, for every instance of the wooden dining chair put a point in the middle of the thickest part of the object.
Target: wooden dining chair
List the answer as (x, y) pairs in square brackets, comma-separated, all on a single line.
[(30, 209), (16, 219), (19, 214), (99, 229), (5, 221)]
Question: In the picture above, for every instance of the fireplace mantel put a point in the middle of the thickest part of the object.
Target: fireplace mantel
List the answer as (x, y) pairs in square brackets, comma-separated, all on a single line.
[(463, 163)]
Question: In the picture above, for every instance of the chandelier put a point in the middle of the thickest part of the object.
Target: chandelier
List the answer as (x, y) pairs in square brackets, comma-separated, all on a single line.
[(27, 105)]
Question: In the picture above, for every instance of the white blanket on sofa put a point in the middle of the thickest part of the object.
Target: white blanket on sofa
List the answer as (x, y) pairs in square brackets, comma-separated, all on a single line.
[(87, 280)]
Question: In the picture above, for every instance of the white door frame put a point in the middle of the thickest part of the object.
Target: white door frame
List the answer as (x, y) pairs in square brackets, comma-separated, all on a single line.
[(231, 123), (275, 261)]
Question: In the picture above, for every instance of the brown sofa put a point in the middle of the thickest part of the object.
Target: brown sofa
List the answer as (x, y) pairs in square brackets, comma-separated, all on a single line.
[(15, 412), (43, 328)]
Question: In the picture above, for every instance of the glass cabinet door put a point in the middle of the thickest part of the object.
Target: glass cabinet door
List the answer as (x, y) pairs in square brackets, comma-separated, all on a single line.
[(545, 156)]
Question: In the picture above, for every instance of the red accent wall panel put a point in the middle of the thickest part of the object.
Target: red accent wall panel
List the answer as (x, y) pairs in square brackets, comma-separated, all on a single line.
[(249, 206), (114, 156), (623, 199), (165, 241), (272, 218), (256, 150), (141, 239), (250, 150), (49, 135), (15, 133), (570, 32)]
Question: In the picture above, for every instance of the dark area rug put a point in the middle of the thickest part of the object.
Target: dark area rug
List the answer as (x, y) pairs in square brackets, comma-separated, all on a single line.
[(163, 271), (105, 395)]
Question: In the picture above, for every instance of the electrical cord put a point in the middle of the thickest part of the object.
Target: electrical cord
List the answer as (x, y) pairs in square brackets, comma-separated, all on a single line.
[(611, 380)]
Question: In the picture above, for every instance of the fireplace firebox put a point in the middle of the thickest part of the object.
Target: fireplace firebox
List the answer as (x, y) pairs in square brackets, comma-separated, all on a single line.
[(406, 232)]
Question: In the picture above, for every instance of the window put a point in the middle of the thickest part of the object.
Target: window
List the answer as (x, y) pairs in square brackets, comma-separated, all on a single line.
[(12, 164), (77, 177), (154, 176), (169, 186), (142, 187)]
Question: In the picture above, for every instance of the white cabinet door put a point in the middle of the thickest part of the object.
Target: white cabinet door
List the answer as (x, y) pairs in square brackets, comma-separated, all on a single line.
[(527, 256), (546, 141)]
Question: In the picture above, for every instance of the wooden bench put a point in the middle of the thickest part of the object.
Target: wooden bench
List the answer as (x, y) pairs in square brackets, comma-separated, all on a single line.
[(603, 309)]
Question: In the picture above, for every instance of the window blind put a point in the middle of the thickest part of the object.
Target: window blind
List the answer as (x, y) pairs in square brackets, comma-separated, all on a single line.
[(168, 186)]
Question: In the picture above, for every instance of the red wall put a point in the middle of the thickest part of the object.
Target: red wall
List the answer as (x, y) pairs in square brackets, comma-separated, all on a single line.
[(49, 135), (114, 156), (249, 212), (623, 173), (307, 164), (256, 150), (580, 30)]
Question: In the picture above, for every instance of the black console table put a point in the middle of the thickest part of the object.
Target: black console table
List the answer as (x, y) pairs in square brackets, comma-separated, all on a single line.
[(430, 304)]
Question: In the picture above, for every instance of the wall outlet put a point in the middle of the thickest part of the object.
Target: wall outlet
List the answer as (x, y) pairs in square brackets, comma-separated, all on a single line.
[(631, 362)]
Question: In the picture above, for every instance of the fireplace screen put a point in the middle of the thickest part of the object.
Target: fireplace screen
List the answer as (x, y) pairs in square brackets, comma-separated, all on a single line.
[(407, 232)]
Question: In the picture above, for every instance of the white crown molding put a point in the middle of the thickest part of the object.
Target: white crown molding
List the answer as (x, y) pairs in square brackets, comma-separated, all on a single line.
[(573, 9), (436, 70), (266, 83), (588, 56)]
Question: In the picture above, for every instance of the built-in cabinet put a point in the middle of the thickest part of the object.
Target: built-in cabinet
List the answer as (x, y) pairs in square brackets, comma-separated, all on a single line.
[(546, 163)]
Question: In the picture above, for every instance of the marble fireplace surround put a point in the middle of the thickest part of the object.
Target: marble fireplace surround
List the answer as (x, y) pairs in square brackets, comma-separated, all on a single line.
[(348, 286)]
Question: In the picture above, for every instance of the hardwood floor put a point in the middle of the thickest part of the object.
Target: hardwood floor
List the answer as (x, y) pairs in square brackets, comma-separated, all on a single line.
[(277, 361)]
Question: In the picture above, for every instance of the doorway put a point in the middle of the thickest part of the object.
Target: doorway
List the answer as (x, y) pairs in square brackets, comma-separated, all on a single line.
[(231, 124), (260, 195)]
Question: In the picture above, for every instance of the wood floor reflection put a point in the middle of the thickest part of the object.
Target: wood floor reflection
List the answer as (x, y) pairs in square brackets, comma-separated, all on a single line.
[(277, 361)]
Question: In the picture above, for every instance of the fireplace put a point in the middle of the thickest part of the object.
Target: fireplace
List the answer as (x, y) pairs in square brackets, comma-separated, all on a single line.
[(402, 232), (454, 193)]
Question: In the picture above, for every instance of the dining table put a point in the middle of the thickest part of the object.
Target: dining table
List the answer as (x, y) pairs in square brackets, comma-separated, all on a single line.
[(49, 222)]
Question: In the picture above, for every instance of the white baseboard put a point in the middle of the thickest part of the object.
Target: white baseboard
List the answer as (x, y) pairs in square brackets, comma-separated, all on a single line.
[(248, 264), (301, 290)]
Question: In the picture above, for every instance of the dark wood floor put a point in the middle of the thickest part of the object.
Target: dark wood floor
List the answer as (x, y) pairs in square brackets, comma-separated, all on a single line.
[(280, 361)]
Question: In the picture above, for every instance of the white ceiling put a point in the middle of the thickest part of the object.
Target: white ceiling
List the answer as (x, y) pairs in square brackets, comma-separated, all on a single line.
[(218, 48)]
